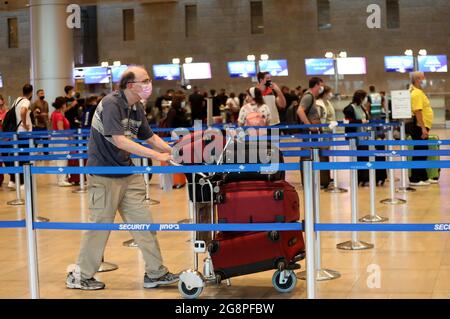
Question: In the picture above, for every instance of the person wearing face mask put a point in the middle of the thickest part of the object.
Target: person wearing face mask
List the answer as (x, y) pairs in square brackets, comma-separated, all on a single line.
[(23, 123), (272, 95), (327, 112), (255, 112), (40, 111), (355, 112), (327, 116), (420, 126), (308, 112), (88, 112), (176, 117), (59, 123), (71, 107), (118, 120)]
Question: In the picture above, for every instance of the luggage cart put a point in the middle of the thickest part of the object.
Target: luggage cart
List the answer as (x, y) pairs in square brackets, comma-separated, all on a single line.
[(193, 281)]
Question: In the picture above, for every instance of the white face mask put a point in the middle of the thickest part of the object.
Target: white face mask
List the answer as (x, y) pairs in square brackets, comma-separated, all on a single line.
[(321, 90), (365, 101), (183, 104), (423, 83), (330, 96)]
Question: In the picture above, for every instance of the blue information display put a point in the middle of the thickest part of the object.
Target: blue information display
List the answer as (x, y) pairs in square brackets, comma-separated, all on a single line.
[(241, 69), (96, 75), (402, 63), (433, 63), (319, 66), (274, 67), (117, 72), (166, 72)]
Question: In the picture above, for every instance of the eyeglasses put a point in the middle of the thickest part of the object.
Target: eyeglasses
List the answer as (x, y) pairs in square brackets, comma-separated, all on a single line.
[(146, 81)]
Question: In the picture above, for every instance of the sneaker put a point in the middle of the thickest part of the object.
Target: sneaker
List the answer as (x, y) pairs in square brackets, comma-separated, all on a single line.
[(84, 284), (64, 184), (11, 185), (167, 279), (421, 183), (433, 181)]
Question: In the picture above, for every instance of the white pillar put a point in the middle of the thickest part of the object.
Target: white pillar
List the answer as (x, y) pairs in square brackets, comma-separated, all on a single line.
[(52, 57)]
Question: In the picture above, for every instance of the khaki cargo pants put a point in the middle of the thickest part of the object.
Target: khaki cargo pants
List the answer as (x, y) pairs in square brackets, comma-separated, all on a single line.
[(127, 195)]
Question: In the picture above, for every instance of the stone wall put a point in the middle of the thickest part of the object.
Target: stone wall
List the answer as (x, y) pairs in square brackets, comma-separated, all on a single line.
[(290, 32)]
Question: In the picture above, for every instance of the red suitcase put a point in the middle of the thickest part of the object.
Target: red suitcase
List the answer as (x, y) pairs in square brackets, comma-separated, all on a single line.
[(237, 254), (258, 202), (199, 147)]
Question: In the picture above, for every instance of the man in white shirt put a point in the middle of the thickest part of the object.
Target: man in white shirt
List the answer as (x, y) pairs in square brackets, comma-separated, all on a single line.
[(23, 109), (24, 124)]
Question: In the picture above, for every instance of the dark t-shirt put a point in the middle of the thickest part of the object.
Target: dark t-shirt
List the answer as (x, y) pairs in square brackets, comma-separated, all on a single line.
[(216, 105), (198, 108), (72, 115), (113, 116)]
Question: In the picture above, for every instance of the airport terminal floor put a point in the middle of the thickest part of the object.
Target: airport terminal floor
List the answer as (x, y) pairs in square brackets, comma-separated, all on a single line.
[(412, 265)]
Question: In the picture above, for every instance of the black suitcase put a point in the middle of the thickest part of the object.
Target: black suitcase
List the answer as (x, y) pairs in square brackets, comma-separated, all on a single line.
[(380, 174), (252, 152)]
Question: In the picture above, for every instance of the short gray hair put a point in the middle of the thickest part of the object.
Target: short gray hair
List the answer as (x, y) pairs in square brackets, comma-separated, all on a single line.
[(129, 75), (414, 76)]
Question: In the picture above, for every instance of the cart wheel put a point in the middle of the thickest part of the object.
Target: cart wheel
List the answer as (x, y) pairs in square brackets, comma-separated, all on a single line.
[(288, 286), (189, 293)]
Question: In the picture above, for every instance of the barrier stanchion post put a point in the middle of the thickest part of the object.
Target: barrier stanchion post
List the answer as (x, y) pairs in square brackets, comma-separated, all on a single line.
[(33, 270), (82, 188), (321, 274), (194, 233), (354, 243), (392, 200), (18, 201), (34, 187), (31, 145), (372, 217), (209, 112), (107, 266), (404, 188), (335, 184), (309, 230)]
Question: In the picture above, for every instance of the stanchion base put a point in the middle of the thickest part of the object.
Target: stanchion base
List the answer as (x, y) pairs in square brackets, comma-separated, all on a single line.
[(106, 266), (16, 202), (354, 245), (152, 202), (80, 191), (130, 243), (336, 190), (185, 221), (40, 219), (393, 201), (405, 190), (321, 275), (373, 219)]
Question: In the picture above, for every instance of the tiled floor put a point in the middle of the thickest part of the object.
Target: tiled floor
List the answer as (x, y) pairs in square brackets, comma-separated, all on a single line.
[(412, 265)]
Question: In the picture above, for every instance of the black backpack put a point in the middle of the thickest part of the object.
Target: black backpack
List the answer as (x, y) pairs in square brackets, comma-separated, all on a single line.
[(10, 121), (292, 116)]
